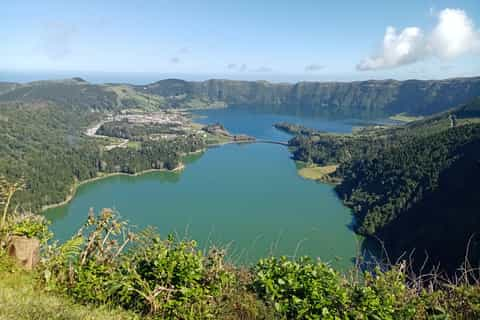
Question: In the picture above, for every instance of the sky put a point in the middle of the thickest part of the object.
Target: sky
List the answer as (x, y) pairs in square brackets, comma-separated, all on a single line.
[(276, 40)]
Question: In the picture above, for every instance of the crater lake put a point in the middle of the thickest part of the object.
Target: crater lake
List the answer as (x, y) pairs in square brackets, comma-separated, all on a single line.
[(247, 198)]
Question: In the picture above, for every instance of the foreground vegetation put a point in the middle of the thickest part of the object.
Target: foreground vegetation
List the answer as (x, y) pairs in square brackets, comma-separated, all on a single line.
[(22, 297), (108, 272)]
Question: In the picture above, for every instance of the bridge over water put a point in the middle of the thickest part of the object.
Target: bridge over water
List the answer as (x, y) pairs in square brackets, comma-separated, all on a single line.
[(282, 143)]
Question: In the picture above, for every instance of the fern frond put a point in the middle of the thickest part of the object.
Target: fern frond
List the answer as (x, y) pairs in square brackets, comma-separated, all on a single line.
[(71, 248)]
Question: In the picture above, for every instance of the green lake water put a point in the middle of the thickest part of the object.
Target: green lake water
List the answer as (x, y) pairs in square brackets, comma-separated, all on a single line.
[(246, 197)]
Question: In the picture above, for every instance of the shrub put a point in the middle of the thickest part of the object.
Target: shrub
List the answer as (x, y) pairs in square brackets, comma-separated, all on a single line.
[(301, 289), (29, 225), (105, 264), (25, 225), (166, 278), (172, 278), (305, 290), (382, 295)]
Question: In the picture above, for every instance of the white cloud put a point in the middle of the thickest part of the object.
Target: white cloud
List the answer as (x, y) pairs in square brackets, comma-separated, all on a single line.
[(398, 49), (184, 50), (453, 35), (313, 67), (237, 67), (263, 69), (244, 68), (446, 68), (178, 58)]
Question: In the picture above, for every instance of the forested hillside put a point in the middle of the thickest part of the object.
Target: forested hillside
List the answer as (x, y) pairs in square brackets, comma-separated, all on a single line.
[(469, 110), (68, 93), (414, 186), (43, 142), (442, 223), (342, 99), (420, 195), (7, 86), (361, 99)]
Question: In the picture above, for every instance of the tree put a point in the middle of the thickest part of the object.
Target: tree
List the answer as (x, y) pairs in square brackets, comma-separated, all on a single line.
[(7, 190)]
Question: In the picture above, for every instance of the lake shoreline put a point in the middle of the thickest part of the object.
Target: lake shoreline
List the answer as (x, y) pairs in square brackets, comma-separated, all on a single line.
[(180, 167), (204, 203), (76, 185)]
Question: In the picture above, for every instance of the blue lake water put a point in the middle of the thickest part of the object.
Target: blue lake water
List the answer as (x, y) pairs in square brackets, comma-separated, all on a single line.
[(248, 198)]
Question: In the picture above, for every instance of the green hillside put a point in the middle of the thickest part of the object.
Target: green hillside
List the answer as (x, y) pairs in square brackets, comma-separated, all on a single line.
[(341, 99), (414, 186), (361, 99), (70, 93), (44, 143)]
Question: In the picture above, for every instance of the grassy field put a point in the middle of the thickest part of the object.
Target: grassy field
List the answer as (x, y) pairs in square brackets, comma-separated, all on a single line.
[(144, 102), (22, 299), (134, 144), (403, 117), (197, 103), (316, 172), (468, 121), (214, 139)]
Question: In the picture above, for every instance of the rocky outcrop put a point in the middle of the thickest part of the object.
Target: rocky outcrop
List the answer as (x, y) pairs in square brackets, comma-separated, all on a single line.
[(26, 251)]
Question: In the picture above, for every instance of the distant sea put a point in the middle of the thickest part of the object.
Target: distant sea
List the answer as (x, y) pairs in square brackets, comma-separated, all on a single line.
[(138, 78)]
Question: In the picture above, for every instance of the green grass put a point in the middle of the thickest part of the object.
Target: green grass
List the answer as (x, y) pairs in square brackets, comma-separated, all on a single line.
[(403, 117), (204, 104), (22, 299), (134, 144), (316, 172), (142, 101), (467, 121), (213, 139)]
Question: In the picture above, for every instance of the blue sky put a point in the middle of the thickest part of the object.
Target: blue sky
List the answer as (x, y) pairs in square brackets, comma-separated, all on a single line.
[(270, 39)]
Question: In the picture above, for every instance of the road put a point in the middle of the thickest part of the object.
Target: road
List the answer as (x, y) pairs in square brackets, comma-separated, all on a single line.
[(92, 132)]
